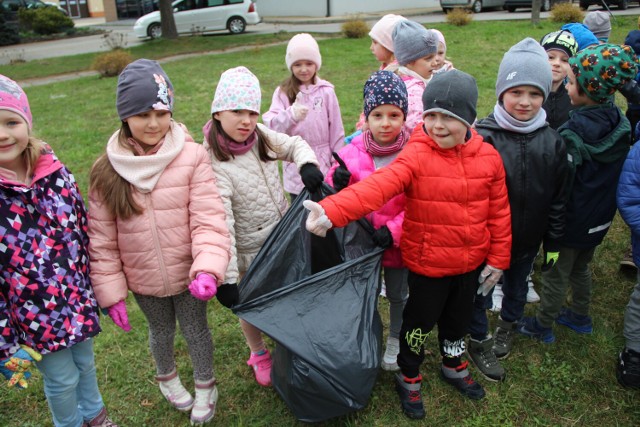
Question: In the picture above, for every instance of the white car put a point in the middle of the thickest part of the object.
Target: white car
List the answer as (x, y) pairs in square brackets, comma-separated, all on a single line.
[(200, 16)]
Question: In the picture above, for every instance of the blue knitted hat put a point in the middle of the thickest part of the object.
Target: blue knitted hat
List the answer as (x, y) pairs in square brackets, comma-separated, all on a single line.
[(385, 88)]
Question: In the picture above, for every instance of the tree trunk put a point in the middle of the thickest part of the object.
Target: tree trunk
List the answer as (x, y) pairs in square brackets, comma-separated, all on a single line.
[(169, 30), (535, 11)]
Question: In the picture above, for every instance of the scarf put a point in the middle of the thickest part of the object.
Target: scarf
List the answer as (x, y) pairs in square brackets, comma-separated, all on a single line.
[(229, 145), (143, 172), (378, 150), (510, 123)]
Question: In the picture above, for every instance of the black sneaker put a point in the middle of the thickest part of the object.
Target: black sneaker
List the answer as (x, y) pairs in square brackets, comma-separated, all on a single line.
[(410, 396), (628, 369), (461, 379)]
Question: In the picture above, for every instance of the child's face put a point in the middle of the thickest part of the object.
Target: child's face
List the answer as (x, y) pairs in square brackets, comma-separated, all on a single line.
[(523, 102), (559, 61), (238, 124), (440, 55), (577, 97), (14, 138), (385, 123), (445, 130), (381, 53), (304, 71), (424, 66), (150, 127)]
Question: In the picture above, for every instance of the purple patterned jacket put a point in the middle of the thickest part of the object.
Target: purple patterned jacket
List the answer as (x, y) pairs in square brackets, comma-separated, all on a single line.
[(46, 299)]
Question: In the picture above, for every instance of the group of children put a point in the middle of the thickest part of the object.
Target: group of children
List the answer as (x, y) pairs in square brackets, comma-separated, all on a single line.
[(458, 203)]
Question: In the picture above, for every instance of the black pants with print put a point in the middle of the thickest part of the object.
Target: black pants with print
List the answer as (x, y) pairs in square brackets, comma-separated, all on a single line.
[(445, 301)]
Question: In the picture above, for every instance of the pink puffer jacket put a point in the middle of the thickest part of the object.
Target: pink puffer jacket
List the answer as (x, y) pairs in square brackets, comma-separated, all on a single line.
[(360, 164)]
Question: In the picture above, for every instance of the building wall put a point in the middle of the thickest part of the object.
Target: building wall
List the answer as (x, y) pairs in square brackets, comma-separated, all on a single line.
[(318, 8)]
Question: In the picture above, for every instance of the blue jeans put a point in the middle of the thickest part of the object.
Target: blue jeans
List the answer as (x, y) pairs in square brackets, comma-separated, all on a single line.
[(514, 287), (70, 385)]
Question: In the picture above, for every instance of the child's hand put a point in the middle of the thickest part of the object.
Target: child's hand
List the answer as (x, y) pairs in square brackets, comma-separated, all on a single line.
[(341, 175), (488, 279), (311, 176), (298, 109), (382, 237), (228, 294), (204, 287), (118, 313), (15, 368), (317, 222)]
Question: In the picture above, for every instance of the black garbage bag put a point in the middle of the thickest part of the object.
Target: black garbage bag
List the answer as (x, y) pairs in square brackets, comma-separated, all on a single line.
[(317, 299)]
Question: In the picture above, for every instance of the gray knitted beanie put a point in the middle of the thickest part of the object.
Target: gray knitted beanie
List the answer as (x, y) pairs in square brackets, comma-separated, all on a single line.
[(525, 64), (413, 41), (454, 93), (143, 86)]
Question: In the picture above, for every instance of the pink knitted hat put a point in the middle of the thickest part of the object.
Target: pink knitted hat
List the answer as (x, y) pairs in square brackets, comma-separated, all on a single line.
[(303, 46), (383, 29), (13, 98)]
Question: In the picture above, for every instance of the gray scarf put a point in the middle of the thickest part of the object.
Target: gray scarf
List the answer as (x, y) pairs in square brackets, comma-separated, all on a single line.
[(510, 123)]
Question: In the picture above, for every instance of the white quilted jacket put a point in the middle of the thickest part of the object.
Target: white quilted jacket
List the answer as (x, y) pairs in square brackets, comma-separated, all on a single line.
[(253, 196)]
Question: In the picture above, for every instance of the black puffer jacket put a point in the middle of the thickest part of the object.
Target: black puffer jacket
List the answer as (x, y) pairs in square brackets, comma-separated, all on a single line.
[(557, 107), (536, 168)]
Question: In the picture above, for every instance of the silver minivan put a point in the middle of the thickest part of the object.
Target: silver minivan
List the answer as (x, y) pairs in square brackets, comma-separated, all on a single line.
[(202, 16), (476, 6)]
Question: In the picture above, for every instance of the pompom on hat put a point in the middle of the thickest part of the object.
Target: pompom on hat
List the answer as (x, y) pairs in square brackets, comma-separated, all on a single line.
[(385, 88), (143, 86), (560, 40), (525, 64), (413, 41), (303, 47), (238, 89), (13, 98), (602, 69), (382, 31), (454, 93), (599, 23)]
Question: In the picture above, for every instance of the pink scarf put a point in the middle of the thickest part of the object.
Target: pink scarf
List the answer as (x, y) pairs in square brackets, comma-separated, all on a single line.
[(378, 150), (229, 145)]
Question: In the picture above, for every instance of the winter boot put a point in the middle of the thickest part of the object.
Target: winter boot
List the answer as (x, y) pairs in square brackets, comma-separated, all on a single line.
[(481, 354), (390, 358), (410, 396), (205, 405), (173, 390), (100, 420), (261, 365), (460, 378), (628, 369), (503, 338)]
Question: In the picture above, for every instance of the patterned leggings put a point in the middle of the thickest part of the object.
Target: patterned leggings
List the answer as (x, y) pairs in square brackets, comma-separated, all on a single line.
[(191, 313)]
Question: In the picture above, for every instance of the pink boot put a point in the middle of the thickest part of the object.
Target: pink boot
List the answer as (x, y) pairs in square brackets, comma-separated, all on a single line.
[(261, 367)]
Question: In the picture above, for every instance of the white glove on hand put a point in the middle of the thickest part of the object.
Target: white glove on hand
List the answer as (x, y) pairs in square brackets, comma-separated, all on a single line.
[(317, 222), (298, 109), (488, 279)]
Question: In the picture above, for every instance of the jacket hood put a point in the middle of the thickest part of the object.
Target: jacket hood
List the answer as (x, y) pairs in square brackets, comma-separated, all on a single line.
[(596, 123)]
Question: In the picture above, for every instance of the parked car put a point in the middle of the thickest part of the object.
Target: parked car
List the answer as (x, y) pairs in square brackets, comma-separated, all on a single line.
[(476, 6), (201, 16), (620, 4), (512, 5)]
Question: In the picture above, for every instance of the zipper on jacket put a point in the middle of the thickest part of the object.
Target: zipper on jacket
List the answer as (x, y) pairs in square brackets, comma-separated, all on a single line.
[(467, 228), (156, 242), (523, 177)]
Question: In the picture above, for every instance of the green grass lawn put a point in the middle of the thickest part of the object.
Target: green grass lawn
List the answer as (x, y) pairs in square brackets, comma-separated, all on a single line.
[(571, 382)]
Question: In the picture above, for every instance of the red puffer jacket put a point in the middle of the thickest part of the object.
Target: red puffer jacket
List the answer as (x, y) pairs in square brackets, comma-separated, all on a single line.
[(457, 213)]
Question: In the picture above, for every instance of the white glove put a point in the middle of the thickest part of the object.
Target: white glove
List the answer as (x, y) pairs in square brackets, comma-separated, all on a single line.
[(488, 279), (317, 222), (298, 109)]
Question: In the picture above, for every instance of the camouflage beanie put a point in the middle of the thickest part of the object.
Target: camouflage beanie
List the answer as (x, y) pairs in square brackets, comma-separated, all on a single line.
[(602, 69)]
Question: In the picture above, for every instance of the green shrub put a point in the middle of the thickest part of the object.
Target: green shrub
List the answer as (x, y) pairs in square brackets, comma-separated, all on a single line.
[(46, 20), (355, 29), (459, 17), (112, 63), (565, 13), (8, 35)]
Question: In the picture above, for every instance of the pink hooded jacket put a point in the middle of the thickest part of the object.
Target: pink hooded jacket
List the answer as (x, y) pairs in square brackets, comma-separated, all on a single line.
[(360, 164), (322, 128)]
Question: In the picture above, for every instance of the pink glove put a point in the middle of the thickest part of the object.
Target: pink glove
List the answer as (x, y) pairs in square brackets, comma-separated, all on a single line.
[(204, 287), (118, 313)]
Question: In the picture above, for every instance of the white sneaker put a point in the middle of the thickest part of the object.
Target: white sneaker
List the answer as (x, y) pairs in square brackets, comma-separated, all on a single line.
[(390, 358), (532, 295), (497, 298), (173, 390), (205, 405)]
